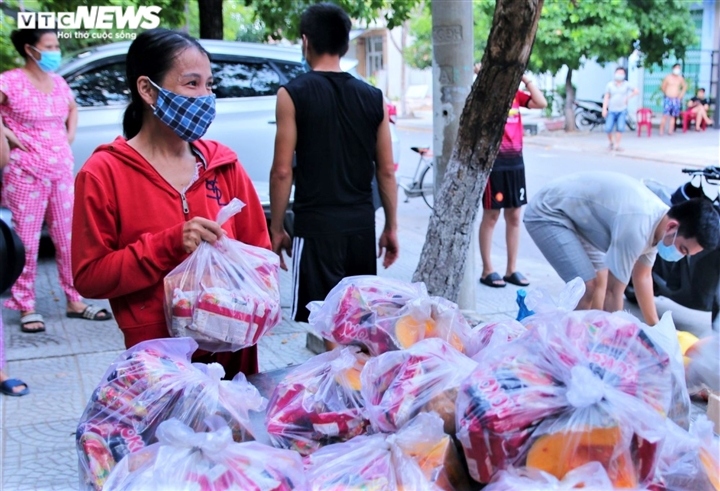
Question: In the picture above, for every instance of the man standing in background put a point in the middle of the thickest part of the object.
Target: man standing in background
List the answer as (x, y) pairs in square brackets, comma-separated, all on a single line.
[(337, 126), (673, 87), (615, 107)]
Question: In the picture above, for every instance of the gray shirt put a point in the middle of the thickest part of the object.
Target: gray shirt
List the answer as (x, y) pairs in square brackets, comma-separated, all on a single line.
[(614, 213), (618, 95)]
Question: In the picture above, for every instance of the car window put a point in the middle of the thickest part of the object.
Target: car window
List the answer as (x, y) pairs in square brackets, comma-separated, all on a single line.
[(101, 86), (244, 79), (290, 70)]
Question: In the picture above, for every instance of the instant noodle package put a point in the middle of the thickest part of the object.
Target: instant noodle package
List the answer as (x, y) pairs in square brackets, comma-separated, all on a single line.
[(225, 295), (398, 385), (382, 314), (183, 460), (584, 387), (420, 457), (146, 385), (319, 402)]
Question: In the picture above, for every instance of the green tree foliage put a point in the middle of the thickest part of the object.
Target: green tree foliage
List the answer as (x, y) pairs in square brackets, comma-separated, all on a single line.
[(419, 53), (282, 17), (569, 32)]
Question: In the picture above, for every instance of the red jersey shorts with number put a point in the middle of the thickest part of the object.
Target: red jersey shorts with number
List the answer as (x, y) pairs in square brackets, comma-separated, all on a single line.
[(506, 184)]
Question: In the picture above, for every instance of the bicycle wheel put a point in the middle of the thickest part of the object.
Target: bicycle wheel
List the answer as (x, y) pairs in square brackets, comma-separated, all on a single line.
[(427, 185)]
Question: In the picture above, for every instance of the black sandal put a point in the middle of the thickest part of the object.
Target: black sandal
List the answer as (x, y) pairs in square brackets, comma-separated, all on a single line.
[(491, 281), (517, 279)]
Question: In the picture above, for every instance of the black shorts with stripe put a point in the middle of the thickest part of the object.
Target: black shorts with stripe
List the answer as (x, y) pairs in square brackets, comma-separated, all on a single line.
[(506, 184), (319, 263)]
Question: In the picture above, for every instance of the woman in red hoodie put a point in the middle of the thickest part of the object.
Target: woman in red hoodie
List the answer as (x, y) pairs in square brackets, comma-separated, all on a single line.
[(142, 203)]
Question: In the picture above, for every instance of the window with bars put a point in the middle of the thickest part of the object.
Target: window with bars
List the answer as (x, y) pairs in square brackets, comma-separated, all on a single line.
[(373, 55)]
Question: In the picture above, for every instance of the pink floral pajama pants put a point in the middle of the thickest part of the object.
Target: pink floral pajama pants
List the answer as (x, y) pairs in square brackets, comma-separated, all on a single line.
[(32, 201)]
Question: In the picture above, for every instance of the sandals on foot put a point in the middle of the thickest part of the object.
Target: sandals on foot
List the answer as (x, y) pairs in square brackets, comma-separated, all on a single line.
[(32, 319), (517, 279), (8, 387), (493, 280), (92, 313)]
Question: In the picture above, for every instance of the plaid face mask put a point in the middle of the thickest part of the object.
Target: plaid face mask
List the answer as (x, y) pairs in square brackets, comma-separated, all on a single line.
[(188, 117)]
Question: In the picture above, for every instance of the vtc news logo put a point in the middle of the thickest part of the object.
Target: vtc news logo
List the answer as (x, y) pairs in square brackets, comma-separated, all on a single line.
[(92, 18)]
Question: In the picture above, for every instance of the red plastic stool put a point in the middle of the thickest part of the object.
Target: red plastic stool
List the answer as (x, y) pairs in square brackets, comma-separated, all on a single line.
[(644, 118)]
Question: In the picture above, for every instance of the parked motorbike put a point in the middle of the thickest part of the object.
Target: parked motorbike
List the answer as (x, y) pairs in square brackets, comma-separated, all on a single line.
[(694, 281), (588, 115)]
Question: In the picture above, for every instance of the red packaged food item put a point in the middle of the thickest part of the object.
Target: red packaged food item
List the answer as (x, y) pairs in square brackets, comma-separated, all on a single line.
[(319, 402), (183, 460), (487, 336), (151, 382), (382, 314), (398, 385), (582, 387)]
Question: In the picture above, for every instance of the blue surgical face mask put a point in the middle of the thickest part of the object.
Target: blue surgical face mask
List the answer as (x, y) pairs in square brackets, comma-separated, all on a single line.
[(669, 253), (188, 117), (49, 60)]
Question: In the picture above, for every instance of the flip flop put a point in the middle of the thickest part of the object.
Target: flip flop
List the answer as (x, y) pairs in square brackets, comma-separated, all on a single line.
[(491, 279), (11, 383), (91, 313), (517, 279), (32, 319)]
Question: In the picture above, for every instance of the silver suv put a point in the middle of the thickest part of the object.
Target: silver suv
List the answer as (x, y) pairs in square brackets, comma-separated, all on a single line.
[(247, 78)]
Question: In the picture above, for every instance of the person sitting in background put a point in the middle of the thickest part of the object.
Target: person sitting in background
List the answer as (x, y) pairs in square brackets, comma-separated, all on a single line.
[(8, 386), (591, 222), (699, 106), (143, 202)]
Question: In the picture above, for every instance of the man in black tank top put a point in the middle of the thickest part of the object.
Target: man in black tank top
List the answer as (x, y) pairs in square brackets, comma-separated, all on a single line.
[(338, 129)]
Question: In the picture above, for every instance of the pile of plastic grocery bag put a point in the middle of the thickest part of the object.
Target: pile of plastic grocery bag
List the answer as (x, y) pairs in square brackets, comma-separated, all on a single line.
[(414, 399)]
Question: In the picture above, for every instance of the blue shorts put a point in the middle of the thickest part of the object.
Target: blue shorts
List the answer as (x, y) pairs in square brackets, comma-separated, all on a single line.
[(672, 106), (615, 119)]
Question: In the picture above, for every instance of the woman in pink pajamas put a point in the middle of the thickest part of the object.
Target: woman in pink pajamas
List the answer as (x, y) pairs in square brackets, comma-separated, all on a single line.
[(40, 118)]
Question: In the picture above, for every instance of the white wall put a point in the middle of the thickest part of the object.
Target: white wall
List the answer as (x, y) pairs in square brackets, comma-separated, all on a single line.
[(393, 64)]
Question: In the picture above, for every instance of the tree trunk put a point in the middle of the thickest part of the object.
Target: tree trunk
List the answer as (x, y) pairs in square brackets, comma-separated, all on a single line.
[(444, 254), (211, 19), (452, 69), (569, 103)]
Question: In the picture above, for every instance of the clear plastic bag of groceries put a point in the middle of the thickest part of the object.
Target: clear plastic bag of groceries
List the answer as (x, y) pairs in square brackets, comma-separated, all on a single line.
[(383, 314), (575, 388), (664, 335), (398, 385), (410, 460), (424, 440), (146, 385), (183, 460), (225, 295), (319, 402), (546, 306), (703, 365), (488, 336), (588, 477), (689, 460)]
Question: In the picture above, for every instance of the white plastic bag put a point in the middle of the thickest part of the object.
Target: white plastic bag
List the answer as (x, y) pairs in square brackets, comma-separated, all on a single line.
[(589, 477), (383, 314), (184, 460), (225, 295)]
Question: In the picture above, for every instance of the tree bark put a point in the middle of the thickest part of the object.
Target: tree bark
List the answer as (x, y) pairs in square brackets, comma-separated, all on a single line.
[(444, 254), (569, 102), (211, 19)]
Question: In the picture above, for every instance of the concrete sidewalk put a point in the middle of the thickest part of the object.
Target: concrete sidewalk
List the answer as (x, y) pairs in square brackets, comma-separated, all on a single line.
[(692, 149)]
